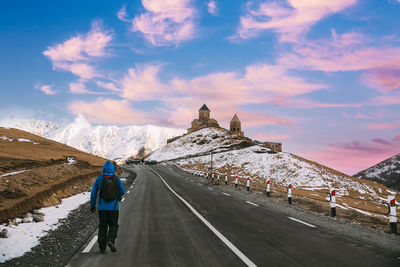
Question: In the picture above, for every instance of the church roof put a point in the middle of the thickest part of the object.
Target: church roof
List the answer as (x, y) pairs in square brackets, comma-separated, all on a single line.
[(204, 107), (235, 118)]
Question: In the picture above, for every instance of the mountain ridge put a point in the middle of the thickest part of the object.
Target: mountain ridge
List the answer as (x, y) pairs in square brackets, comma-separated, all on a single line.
[(386, 172), (111, 142)]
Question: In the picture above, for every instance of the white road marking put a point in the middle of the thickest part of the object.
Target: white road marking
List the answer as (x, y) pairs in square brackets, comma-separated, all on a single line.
[(90, 245), (129, 191), (199, 184), (235, 250), (251, 203), (226, 194), (122, 199), (297, 220), (210, 188)]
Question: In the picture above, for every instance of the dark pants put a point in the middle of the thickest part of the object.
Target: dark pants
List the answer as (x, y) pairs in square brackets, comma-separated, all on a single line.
[(108, 227)]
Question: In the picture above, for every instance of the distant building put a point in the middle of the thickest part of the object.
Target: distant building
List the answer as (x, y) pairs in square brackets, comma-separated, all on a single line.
[(273, 146), (203, 121), (236, 126)]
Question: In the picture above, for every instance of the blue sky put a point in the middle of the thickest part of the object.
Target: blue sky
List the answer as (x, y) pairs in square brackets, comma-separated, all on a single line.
[(322, 77)]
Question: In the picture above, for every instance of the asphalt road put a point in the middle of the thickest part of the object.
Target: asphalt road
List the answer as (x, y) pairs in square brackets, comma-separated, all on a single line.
[(158, 229)]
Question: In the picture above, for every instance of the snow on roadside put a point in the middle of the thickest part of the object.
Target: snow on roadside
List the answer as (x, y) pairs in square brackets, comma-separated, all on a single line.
[(23, 237), (13, 173)]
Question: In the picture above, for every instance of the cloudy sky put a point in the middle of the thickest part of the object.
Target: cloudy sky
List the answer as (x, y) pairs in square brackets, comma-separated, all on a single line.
[(321, 76)]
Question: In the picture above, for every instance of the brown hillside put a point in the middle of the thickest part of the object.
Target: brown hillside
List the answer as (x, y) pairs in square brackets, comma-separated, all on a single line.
[(46, 176)]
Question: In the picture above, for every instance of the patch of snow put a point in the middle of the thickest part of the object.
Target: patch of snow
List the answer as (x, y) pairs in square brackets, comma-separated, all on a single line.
[(13, 173), (71, 160), (358, 210), (391, 192), (5, 138), (25, 236), (24, 140)]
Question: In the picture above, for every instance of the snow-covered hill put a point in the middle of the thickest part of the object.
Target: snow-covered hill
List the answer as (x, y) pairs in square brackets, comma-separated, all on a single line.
[(111, 142), (259, 163), (386, 172)]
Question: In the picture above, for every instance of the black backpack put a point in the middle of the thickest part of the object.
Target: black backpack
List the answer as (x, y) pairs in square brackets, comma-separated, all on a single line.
[(109, 188)]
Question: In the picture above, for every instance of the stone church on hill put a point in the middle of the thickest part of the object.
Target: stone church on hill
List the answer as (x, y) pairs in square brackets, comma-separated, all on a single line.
[(205, 121)]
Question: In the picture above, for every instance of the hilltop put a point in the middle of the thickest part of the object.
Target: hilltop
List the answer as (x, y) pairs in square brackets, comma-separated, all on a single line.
[(386, 172), (37, 172), (311, 181)]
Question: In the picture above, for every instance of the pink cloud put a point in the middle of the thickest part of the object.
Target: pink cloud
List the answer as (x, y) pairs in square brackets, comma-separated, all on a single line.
[(76, 54), (47, 89), (381, 126), (141, 83), (384, 79), (260, 83), (166, 22), (122, 15), (367, 115), (346, 52), (291, 19), (110, 111), (353, 157), (80, 88), (270, 137), (212, 7), (385, 100), (82, 70)]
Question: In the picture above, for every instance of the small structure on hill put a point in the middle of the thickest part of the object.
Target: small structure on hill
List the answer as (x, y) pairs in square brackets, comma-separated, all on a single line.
[(277, 147), (236, 126), (203, 121), (235, 130)]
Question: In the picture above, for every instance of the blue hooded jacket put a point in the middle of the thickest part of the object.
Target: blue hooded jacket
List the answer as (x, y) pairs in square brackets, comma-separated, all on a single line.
[(108, 169)]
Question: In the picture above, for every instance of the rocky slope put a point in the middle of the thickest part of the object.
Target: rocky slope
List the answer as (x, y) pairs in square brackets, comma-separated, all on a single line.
[(111, 142), (386, 172)]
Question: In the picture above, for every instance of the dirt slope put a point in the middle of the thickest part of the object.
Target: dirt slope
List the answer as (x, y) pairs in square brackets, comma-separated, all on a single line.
[(35, 172)]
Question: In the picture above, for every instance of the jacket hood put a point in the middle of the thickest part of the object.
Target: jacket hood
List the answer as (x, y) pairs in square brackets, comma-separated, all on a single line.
[(108, 168)]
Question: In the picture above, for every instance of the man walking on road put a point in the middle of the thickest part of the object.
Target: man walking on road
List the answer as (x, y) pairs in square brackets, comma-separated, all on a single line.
[(110, 189)]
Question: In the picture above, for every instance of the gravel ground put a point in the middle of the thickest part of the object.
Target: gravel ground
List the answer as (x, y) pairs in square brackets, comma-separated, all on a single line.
[(381, 240), (59, 245)]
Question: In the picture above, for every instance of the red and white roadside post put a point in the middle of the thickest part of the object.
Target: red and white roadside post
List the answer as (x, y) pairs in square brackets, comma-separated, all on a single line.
[(218, 176), (226, 178), (392, 215), (332, 201), (248, 183), (289, 194), (268, 188), (236, 181)]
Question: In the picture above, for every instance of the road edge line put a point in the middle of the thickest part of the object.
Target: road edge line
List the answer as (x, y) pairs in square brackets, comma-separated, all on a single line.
[(228, 243), (251, 203), (297, 220), (90, 245)]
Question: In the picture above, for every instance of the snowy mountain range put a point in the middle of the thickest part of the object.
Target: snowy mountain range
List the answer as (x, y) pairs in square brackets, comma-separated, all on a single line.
[(111, 142), (386, 172)]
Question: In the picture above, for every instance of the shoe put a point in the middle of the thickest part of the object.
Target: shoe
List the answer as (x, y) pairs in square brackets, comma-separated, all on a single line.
[(102, 251), (112, 247)]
